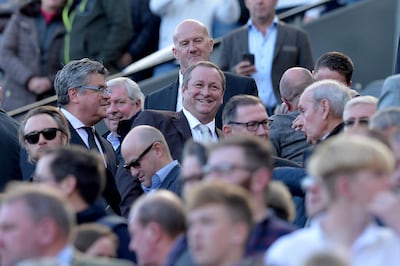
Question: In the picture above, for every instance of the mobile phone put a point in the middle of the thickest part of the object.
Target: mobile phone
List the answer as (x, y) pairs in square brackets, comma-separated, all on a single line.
[(248, 57)]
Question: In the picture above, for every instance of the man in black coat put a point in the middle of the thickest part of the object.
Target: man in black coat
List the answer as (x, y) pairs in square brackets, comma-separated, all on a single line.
[(83, 96)]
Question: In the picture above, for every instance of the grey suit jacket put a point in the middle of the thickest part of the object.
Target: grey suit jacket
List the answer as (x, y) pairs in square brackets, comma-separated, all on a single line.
[(292, 48), (173, 125), (287, 142), (390, 94)]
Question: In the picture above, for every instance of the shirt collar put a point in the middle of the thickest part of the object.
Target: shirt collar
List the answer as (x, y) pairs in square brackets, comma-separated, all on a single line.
[(275, 22), (64, 257), (75, 122), (159, 177), (194, 122)]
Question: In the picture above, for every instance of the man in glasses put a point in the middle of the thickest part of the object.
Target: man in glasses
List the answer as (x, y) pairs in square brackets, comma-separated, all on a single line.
[(83, 96), (147, 156), (247, 161), (358, 111), (42, 128)]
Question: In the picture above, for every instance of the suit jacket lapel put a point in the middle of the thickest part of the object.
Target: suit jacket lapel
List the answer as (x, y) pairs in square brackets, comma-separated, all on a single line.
[(75, 138), (182, 125), (279, 40), (172, 92)]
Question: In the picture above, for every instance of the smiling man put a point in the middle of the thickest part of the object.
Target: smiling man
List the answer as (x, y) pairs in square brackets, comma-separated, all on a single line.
[(202, 92), (83, 96)]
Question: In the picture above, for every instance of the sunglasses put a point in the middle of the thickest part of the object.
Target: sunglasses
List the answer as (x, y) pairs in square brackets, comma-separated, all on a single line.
[(48, 134), (136, 163)]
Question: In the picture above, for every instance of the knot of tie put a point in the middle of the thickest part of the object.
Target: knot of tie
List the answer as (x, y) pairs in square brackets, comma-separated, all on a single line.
[(205, 133)]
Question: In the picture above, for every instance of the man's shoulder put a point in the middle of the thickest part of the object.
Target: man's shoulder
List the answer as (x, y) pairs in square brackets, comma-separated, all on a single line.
[(235, 33)]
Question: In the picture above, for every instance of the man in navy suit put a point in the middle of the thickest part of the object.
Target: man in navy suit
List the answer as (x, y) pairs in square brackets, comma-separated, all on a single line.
[(147, 156), (83, 96), (192, 43)]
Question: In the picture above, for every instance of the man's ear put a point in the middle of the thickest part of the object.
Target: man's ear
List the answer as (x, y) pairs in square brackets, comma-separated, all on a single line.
[(227, 130), (73, 95), (260, 179), (326, 108), (68, 185)]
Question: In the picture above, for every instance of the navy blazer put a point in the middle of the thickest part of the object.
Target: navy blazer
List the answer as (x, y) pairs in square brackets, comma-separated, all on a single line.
[(110, 192), (172, 181), (166, 98), (173, 125)]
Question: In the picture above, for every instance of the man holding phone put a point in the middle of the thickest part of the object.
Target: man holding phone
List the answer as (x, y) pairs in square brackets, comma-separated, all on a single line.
[(274, 45)]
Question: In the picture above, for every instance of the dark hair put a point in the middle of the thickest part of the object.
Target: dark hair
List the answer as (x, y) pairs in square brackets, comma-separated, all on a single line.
[(230, 108), (86, 166), (336, 61)]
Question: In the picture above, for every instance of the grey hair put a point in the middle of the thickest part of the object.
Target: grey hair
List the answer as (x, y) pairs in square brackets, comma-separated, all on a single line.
[(368, 99), (75, 74), (335, 92), (132, 89), (385, 118)]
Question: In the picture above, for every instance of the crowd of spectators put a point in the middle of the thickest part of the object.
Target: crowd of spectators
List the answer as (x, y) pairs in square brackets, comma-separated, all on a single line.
[(263, 157)]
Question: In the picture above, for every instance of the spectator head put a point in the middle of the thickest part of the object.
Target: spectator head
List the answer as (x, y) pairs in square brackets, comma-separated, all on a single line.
[(245, 161), (145, 151), (220, 221), (261, 15), (292, 84), (386, 120), (42, 128), (358, 111), (321, 108), (334, 65), (126, 100), (245, 115), (155, 221), (192, 43), (81, 89), (34, 222), (95, 240), (359, 167), (194, 158), (77, 172), (203, 89)]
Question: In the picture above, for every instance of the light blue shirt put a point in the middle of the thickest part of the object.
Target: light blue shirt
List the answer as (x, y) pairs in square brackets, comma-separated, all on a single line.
[(158, 177), (64, 257), (114, 140), (263, 48)]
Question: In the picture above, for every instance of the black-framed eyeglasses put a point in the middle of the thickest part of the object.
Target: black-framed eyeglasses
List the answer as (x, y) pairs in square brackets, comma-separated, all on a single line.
[(224, 168), (352, 122), (48, 133), (136, 163), (253, 125), (100, 89)]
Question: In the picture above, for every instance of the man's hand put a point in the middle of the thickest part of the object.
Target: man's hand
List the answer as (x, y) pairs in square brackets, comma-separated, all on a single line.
[(245, 68), (39, 85)]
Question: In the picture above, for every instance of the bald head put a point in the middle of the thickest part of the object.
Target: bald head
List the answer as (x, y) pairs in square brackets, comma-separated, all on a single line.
[(141, 137), (192, 43), (292, 85)]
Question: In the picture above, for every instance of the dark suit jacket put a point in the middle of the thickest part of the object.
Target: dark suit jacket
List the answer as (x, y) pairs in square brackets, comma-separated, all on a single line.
[(172, 181), (9, 152), (110, 192), (173, 125), (165, 98), (292, 48)]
